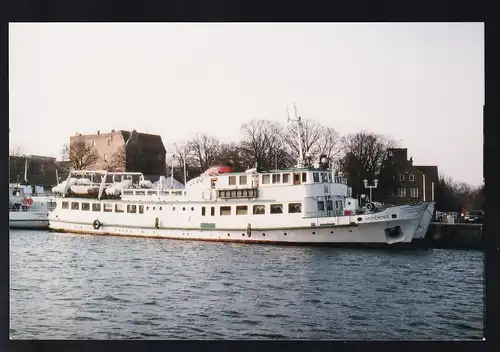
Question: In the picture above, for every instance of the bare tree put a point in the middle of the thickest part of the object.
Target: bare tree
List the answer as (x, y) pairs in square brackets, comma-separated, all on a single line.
[(231, 154), (262, 144), (118, 160), (80, 154), (317, 140), (202, 151)]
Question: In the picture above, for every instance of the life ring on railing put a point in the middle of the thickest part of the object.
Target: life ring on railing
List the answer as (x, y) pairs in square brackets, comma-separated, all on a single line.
[(96, 225), (28, 201), (157, 223)]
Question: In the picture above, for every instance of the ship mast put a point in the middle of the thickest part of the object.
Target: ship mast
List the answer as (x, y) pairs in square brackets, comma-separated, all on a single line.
[(298, 121)]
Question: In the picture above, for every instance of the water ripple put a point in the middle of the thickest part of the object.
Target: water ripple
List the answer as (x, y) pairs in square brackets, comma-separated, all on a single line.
[(89, 287)]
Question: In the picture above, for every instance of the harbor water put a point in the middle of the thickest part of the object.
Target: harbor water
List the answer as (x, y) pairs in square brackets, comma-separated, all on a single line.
[(66, 286)]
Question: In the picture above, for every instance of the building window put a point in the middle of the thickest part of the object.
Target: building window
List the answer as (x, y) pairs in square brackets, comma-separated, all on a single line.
[(225, 210), (401, 177), (411, 177), (86, 206), (232, 180), (96, 207), (105, 157), (286, 178), (160, 157), (276, 178), (241, 210), (276, 208), (414, 192), (315, 177), (109, 142), (266, 179), (402, 192), (294, 208), (93, 143), (259, 209), (243, 180), (321, 205)]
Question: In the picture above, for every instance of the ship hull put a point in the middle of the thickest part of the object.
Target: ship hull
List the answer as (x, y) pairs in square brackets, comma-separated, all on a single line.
[(28, 220)]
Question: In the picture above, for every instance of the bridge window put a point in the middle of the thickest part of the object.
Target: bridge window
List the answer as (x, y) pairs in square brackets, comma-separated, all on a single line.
[(212, 211), (315, 177), (296, 179), (276, 178), (330, 177), (225, 210), (108, 208), (86, 206), (241, 210), (232, 180), (128, 193), (324, 177), (259, 209), (294, 208), (276, 209), (131, 208), (141, 209), (75, 205), (65, 205), (304, 177), (243, 179), (266, 179), (203, 211), (329, 205), (96, 207), (119, 208), (140, 193), (286, 178), (321, 205)]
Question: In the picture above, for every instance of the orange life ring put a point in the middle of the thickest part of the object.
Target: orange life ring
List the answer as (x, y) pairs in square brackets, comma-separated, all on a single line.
[(28, 201)]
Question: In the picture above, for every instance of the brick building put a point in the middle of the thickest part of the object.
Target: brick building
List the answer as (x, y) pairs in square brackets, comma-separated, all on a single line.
[(141, 152), (403, 182)]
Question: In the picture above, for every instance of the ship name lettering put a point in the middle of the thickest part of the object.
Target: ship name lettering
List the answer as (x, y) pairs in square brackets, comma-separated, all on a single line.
[(377, 217)]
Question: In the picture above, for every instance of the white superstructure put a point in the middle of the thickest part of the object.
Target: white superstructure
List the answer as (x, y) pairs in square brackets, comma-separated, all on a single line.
[(29, 207)]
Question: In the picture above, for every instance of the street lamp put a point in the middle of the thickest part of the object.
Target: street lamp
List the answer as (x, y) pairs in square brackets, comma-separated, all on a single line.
[(375, 184)]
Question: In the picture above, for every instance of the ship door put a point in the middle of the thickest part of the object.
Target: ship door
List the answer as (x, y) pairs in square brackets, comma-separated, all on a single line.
[(296, 178)]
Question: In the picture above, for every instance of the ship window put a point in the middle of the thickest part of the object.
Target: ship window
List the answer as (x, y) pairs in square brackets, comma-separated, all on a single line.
[(128, 193), (152, 192), (75, 205), (86, 206), (276, 209), (315, 177), (276, 178), (140, 193), (324, 177), (321, 205), (232, 180), (119, 208), (296, 179), (259, 209), (241, 210), (96, 207), (243, 179), (203, 211), (65, 205), (141, 209), (330, 177), (294, 208), (329, 205), (286, 178), (131, 208), (212, 211), (304, 177), (266, 179), (108, 208), (225, 210)]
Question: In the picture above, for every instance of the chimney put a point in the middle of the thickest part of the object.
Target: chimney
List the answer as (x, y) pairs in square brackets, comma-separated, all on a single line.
[(411, 161)]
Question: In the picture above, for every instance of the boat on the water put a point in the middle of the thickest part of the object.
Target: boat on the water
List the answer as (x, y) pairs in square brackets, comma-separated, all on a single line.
[(29, 206)]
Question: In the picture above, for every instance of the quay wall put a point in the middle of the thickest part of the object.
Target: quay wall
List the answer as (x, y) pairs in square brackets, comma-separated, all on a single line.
[(465, 236)]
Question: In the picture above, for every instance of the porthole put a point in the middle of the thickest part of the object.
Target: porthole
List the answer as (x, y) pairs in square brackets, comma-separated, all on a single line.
[(331, 231), (314, 233), (192, 208), (173, 208), (147, 208), (228, 234), (243, 234), (360, 219), (154, 208), (183, 208), (284, 234), (394, 216), (264, 234), (160, 208)]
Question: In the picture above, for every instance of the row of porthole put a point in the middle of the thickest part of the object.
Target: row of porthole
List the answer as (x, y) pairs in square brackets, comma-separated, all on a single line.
[(173, 208)]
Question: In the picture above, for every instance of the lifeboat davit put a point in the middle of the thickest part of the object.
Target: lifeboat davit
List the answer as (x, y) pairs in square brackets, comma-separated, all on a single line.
[(215, 170)]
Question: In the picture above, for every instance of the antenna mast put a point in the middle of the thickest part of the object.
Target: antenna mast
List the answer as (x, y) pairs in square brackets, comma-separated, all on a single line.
[(298, 120)]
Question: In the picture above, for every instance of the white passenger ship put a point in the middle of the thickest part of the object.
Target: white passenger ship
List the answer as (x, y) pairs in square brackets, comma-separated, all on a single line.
[(29, 207), (299, 206)]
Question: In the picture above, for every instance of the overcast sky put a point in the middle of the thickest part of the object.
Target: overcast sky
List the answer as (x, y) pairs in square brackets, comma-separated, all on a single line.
[(422, 84)]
